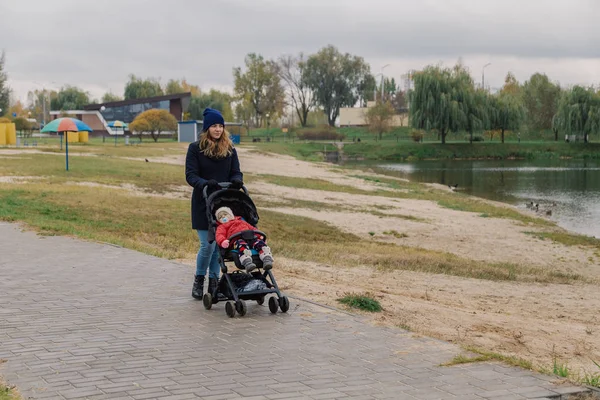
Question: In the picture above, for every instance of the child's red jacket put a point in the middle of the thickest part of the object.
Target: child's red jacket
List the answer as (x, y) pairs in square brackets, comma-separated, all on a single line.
[(230, 227)]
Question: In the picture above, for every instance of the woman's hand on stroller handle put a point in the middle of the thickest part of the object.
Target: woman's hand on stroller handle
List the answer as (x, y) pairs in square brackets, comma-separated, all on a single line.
[(206, 190)]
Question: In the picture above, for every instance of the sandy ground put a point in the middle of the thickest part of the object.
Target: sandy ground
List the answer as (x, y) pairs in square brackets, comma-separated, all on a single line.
[(537, 322)]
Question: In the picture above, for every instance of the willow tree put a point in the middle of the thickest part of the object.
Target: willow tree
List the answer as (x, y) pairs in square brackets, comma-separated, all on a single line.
[(434, 102), (506, 112), (578, 112)]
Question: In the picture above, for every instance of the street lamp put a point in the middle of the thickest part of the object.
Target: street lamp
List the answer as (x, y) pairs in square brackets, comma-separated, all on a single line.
[(44, 97), (382, 68), (483, 75), (375, 87)]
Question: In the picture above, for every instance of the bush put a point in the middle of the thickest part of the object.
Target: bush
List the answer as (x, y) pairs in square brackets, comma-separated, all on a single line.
[(319, 133), (417, 135)]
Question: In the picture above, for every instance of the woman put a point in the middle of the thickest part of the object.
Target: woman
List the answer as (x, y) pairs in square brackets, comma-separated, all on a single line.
[(210, 160)]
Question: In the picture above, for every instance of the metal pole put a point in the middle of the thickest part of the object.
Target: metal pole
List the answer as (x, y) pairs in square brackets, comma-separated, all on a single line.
[(67, 148), (44, 107), (382, 68), (483, 75)]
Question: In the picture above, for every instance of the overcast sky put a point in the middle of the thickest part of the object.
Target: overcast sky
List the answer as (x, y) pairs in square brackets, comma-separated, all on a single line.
[(96, 44)]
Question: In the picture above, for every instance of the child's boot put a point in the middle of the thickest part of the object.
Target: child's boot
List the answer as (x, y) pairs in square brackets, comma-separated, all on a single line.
[(266, 258), (246, 261)]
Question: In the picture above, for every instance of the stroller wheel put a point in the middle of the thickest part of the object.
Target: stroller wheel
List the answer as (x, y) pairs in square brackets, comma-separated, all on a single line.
[(230, 309), (240, 307), (273, 304), (207, 301), (260, 301), (284, 304)]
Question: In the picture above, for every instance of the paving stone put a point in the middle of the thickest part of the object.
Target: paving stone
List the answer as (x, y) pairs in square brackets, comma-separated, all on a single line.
[(83, 320)]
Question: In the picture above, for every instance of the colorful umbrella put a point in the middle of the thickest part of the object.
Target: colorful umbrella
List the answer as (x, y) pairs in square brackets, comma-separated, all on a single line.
[(118, 124), (66, 125)]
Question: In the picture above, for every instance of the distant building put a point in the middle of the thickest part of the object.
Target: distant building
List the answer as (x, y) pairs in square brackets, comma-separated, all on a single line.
[(97, 116), (355, 116)]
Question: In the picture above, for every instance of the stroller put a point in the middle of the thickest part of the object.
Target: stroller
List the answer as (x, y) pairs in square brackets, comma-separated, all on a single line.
[(235, 287)]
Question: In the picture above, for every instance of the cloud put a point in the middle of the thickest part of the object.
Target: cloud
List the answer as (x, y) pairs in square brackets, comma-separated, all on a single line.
[(96, 45)]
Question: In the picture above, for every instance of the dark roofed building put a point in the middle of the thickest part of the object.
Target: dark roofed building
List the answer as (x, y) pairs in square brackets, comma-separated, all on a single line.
[(97, 116)]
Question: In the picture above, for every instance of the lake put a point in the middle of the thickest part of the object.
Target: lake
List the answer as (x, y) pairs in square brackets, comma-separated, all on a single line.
[(570, 189)]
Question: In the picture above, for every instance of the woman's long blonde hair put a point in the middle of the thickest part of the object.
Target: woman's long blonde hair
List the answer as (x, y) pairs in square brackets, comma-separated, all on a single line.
[(216, 148)]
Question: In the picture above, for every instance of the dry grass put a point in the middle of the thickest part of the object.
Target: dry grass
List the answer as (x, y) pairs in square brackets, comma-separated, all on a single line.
[(160, 226)]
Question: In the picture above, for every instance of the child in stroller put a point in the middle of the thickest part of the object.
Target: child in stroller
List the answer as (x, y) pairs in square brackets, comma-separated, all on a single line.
[(230, 225), (237, 286)]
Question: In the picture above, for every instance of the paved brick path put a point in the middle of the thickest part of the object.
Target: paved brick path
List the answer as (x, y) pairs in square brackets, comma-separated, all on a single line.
[(82, 320)]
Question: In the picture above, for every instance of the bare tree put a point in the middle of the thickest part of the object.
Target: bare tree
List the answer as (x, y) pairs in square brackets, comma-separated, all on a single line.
[(292, 72)]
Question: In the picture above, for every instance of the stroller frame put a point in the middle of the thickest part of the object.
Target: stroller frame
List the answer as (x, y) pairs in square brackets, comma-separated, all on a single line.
[(226, 289)]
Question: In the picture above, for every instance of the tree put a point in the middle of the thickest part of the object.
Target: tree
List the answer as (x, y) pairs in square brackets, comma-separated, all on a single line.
[(380, 117), (260, 85), (153, 121), (511, 85), (506, 113), (214, 99), (69, 98), (244, 111), (4, 89), (39, 101), (435, 102), (293, 72), (578, 112), (17, 109), (399, 101), (21, 124), (389, 88), (175, 86), (110, 97), (540, 98), (138, 88), (336, 80), (366, 90)]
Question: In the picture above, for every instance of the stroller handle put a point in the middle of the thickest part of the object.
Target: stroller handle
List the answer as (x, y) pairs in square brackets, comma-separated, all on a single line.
[(224, 186)]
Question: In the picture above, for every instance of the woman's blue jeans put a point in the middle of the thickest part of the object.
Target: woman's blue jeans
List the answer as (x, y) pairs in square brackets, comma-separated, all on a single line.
[(208, 257)]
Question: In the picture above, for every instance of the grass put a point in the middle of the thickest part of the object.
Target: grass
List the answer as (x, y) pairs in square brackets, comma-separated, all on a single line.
[(488, 356), (400, 148), (7, 393), (154, 225), (364, 302), (103, 170), (567, 239), (558, 369), (396, 234)]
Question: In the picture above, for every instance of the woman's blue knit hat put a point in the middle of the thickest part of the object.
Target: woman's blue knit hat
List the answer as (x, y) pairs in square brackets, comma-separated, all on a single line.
[(211, 117)]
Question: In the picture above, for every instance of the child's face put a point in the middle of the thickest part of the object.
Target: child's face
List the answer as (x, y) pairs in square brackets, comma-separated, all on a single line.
[(224, 217)]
